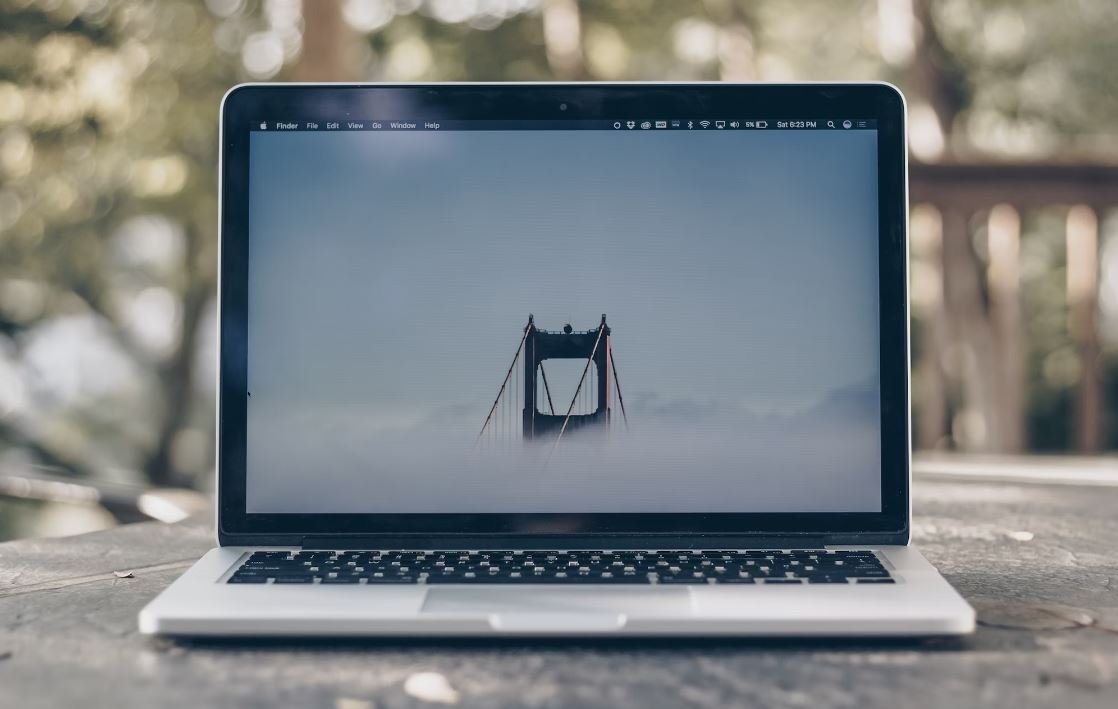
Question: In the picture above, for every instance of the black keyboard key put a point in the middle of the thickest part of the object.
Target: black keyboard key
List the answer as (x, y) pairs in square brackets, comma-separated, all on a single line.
[(342, 579), (242, 578), (876, 581), (377, 580), (672, 580), (827, 579), (294, 579)]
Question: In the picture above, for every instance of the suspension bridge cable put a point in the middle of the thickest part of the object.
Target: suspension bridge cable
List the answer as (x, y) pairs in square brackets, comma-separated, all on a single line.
[(617, 385), (515, 407), (534, 388), (547, 389), (515, 359), (582, 379)]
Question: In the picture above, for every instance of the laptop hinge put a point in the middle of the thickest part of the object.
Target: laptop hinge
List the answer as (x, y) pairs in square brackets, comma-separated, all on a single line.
[(645, 541)]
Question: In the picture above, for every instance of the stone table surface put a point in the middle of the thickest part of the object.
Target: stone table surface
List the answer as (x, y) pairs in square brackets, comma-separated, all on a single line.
[(1039, 562)]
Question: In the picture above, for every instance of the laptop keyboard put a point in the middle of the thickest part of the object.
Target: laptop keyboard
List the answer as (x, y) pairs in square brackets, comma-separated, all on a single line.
[(788, 567)]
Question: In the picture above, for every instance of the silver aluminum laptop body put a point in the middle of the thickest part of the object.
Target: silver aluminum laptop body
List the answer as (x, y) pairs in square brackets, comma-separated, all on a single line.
[(628, 486)]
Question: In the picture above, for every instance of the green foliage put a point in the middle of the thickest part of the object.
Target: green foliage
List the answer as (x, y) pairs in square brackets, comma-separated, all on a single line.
[(108, 143)]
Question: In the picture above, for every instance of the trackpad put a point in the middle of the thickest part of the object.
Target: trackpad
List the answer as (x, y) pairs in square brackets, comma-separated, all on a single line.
[(612, 601)]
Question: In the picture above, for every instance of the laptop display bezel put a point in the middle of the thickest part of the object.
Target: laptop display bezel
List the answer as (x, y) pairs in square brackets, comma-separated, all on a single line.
[(248, 104)]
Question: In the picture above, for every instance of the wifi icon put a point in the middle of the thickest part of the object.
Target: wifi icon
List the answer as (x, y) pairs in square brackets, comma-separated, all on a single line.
[(705, 124)]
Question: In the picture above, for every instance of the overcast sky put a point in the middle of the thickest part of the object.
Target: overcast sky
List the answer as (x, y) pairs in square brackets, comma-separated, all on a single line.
[(737, 266)]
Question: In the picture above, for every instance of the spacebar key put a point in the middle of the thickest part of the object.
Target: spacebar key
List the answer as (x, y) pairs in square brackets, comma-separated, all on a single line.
[(373, 580), (582, 580), (548, 580)]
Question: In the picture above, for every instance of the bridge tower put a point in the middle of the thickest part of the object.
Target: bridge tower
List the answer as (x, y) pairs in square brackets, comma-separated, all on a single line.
[(590, 346), (594, 393)]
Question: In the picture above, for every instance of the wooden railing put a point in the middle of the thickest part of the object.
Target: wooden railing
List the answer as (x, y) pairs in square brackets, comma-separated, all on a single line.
[(970, 380)]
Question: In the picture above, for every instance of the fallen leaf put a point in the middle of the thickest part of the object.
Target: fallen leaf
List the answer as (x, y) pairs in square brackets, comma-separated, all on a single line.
[(124, 574), (431, 687)]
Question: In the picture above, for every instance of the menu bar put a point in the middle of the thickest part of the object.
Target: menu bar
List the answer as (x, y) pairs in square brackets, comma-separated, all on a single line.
[(626, 124)]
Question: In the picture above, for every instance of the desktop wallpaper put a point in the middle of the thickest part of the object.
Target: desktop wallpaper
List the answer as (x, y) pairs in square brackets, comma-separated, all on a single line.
[(391, 279)]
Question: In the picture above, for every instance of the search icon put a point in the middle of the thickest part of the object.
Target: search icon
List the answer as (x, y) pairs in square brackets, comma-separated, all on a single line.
[(830, 124)]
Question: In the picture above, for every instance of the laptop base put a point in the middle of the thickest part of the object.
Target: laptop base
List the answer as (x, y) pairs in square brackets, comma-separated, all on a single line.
[(920, 603)]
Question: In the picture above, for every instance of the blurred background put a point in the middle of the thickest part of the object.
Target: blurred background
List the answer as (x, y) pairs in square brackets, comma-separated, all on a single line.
[(108, 204)]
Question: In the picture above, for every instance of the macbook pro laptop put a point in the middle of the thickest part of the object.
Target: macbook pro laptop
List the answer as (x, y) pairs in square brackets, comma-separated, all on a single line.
[(567, 359)]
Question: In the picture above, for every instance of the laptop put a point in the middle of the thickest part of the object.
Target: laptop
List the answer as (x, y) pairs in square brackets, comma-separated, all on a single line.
[(562, 359)]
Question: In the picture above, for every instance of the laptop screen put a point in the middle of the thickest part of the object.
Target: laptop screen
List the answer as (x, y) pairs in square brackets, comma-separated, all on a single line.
[(620, 316)]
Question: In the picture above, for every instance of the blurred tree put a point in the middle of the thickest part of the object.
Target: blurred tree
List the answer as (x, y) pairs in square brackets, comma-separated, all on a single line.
[(328, 44), (108, 145)]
